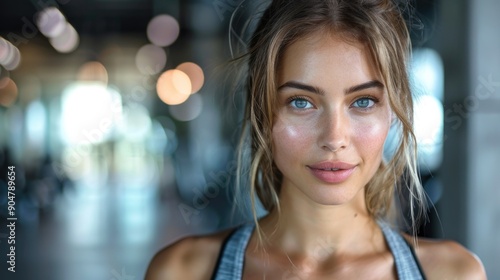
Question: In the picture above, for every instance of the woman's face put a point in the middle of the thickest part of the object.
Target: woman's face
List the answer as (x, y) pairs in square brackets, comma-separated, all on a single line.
[(332, 120)]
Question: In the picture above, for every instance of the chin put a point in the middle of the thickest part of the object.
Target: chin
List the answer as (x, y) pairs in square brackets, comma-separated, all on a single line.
[(334, 195)]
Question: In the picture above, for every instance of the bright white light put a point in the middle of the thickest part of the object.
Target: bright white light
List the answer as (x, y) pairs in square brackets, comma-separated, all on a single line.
[(150, 59), (67, 41), (89, 113), (163, 30), (36, 124), (427, 81), (51, 22), (429, 131), (427, 73)]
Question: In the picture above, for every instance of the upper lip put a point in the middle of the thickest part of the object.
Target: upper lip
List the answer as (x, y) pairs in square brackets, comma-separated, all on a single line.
[(332, 165)]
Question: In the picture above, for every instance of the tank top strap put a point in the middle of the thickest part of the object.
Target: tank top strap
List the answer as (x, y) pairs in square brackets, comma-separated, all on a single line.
[(231, 259), (407, 265)]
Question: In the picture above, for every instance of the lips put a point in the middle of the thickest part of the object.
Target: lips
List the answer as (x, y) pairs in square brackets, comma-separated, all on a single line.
[(332, 172)]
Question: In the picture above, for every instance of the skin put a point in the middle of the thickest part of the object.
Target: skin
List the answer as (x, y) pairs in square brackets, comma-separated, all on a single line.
[(340, 123), (324, 231)]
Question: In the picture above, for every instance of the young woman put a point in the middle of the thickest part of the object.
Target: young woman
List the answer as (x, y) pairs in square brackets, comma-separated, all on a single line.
[(326, 81)]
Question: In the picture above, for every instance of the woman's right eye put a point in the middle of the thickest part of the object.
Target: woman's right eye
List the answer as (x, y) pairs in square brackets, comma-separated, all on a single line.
[(300, 103)]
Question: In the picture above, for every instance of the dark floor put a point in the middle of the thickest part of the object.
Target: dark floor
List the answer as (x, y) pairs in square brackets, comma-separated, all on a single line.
[(93, 233)]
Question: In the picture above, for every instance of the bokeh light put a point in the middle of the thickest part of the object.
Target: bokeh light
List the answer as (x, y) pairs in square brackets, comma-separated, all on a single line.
[(67, 41), (14, 59), (195, 74), (163, 30), (429, 122), (89, 113), (36, 125), (4, 50), (8, 92), (427, 73), (150, 59), (188, 110), (10, 57), (93, 71), (51, 22), (173, 87)]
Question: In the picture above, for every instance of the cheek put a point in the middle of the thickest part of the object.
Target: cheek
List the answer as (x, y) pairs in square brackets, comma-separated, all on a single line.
[(291, 139), (370, 137)]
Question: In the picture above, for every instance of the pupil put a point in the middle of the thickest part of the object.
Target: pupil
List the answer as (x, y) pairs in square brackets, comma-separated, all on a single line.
[(363, 102), (300, 103)]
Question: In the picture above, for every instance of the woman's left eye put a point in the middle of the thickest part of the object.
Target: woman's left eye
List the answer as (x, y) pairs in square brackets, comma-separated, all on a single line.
[(300, 103), (364, 103)]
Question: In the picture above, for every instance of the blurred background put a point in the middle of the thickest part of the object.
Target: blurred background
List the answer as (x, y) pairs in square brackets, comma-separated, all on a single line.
[(117, 118)]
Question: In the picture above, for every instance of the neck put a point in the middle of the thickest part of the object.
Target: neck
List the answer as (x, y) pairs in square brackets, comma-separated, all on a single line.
[(306, 227)]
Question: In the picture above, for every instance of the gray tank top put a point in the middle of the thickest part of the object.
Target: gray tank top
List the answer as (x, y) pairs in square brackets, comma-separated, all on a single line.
[(231, 259)]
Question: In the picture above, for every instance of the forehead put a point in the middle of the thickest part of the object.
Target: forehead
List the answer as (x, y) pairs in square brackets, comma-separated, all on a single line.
[(324, 57)]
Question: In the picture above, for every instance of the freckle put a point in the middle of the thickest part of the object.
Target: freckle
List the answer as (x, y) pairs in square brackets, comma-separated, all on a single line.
[(355, 215)]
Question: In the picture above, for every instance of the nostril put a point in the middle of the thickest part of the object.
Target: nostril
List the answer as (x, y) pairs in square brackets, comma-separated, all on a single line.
[(333, 149)]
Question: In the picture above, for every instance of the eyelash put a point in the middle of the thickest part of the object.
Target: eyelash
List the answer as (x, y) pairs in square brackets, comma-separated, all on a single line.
[(299, 97)]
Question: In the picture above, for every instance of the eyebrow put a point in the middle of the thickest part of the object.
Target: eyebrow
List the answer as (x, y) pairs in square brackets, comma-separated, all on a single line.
[(317, 90), (297, 85), (371, 84)]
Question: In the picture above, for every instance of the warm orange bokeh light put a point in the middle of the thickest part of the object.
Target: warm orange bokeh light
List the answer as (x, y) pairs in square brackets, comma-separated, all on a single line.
[(195, 74), (173, 87), (93, 71), (8, 92)]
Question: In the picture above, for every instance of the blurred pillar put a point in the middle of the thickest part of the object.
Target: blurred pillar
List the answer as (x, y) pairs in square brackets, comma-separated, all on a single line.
[(452, 43), (469, 43), (484, 134)]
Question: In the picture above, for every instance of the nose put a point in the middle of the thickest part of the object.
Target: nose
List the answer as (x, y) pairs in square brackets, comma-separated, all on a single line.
[(334, 131)]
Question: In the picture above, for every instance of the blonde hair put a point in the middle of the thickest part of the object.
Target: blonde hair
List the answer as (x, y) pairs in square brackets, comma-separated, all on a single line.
[(378, 24)]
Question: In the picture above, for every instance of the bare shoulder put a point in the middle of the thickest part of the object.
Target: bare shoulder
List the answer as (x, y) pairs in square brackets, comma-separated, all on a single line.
[(444, 259), (192, 257)]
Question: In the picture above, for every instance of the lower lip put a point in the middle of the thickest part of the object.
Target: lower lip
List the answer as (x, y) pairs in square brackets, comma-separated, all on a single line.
[(332, 177)]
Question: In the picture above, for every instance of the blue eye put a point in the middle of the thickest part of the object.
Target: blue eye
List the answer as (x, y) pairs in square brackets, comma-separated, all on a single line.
[(301, 103), (364, 103)]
